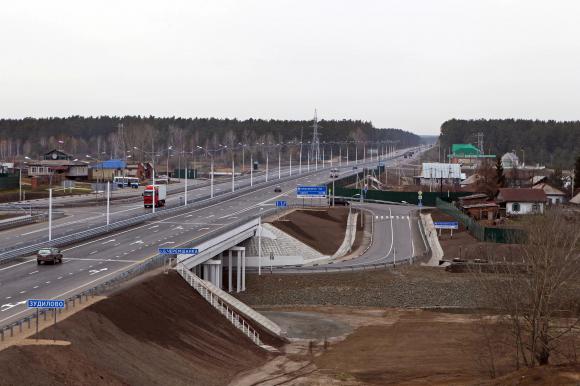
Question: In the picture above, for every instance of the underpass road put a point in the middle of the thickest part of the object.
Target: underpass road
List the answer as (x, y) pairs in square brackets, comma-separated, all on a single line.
[(90, 262)]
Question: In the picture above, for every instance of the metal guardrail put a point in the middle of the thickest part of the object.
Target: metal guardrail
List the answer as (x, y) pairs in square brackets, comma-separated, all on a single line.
[(30, 247), (219, 304), (155, 262)]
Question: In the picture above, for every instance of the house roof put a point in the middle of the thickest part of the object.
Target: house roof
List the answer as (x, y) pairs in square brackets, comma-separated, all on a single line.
[(576, 199), (537, 179), (521, 195), (473, 196), (110, 164), (471, 179), (549, 190), (464, 149), (441, 170), (481, 205)]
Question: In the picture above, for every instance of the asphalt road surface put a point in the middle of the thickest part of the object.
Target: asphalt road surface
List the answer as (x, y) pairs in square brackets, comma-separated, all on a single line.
[(88, 263)]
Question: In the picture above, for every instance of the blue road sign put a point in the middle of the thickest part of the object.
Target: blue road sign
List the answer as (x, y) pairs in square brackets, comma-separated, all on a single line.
[(281, 204), (446, 225), (311, 191), (381, 163), (178, 251), (40, 303)]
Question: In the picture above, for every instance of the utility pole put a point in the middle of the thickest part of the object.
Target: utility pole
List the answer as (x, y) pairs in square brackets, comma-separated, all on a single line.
[(251, 170), (50, 214), (233, 174), (279, 165), (267, 167), (108, 200)]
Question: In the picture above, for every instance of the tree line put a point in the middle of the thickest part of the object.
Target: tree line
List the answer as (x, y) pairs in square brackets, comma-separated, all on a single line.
[(551, 143), (112, 136)]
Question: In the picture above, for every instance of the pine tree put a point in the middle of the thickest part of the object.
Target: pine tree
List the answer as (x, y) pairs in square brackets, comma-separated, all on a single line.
[(577, 172), (499, 176)]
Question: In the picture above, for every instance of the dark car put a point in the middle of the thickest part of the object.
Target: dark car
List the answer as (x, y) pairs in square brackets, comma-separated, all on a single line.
[(278, 189), (341, 201), (49, 255)]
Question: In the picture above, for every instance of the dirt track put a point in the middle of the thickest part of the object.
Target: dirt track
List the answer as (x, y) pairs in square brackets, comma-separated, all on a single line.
[(156, 332)]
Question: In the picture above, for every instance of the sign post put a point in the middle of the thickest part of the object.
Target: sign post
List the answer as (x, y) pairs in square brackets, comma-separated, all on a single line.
[(45, 304), (446, 225), (420, 198), (303, 191)]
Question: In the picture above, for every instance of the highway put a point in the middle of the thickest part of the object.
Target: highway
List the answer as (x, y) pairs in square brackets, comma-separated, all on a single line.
[(84, 216), (88, 263)]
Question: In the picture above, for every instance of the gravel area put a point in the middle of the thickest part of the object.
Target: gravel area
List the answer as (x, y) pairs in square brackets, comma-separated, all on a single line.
[(405, 287)]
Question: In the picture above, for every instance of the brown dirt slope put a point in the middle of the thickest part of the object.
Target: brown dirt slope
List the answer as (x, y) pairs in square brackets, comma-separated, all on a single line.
[(158, 332), (321, 230)]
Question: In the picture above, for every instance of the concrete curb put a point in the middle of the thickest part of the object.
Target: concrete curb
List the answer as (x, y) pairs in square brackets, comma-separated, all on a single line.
[(432, 239)]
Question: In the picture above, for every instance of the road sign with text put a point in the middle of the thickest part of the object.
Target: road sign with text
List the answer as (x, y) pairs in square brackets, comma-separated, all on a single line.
[(281, 204), (178, 251), (311, 191), (44, 303), (446, 225)]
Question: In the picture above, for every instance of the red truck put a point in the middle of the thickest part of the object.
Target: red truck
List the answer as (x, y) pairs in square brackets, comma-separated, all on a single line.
[(160, 195)]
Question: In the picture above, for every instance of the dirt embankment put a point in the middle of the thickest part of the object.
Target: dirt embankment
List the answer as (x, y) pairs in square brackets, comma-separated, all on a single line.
[(407, 286), (157, 332), (322, 230)]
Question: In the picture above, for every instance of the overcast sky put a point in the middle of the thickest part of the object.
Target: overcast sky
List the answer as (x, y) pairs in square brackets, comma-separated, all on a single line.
[(407, 64)]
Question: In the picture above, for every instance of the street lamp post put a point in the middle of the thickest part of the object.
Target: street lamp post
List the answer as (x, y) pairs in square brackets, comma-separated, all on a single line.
[(279, 165), (50, 214)]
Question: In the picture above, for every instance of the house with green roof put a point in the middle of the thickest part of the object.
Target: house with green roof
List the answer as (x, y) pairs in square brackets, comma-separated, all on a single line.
[(467, 154)]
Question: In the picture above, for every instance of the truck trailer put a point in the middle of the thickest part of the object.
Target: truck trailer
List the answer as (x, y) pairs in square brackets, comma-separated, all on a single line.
[(160, 195)]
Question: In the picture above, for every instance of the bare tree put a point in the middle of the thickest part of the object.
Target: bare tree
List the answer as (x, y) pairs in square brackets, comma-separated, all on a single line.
[(537, 290)]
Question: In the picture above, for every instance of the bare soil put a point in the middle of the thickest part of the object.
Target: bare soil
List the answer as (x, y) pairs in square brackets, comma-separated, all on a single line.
[(322, 230), (398, 347), (158, 332)]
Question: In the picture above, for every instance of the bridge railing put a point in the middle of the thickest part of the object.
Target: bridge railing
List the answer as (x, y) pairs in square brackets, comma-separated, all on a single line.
[(219, 304)]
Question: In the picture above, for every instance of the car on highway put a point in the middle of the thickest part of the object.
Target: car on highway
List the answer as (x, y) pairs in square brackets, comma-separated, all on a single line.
[(339, 201), (49, 255), (277, 189)]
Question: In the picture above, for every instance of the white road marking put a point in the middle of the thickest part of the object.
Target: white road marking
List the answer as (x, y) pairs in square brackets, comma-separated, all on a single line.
[(167, 243), (93, 252), (32, 273), (35, 287), (22, 292), (95, 271), (154, 226), (137, 242), (108, 241)]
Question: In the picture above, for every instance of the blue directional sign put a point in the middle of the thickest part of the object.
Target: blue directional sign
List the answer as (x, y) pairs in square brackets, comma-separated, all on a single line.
[(40, 303), (381, 163), (311, 191), (281, 204), (446, 225), (178, 251)]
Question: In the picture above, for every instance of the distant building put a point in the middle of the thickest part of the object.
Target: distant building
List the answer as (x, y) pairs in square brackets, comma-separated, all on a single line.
[(555, 196), (57, 155), (65, 169), (466, 154), (510, 160), (516, 201), (441, 173), (107, 170)]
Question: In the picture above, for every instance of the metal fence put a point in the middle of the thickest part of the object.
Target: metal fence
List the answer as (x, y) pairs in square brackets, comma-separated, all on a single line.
[(480, 232)]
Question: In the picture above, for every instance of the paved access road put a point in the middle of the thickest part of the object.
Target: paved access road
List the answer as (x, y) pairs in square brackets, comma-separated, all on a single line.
[(88, 263)]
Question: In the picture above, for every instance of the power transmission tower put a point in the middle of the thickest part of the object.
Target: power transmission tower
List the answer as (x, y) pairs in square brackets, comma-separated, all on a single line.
[(480, 141), (315, 148)]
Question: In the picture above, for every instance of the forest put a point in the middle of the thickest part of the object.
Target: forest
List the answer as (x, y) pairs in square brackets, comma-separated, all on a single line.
[(112, 136), (551, 143)]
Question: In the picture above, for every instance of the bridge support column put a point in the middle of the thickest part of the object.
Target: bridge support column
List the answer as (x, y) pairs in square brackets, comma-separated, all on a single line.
[(212, 270), (240, 254), (230, 271)]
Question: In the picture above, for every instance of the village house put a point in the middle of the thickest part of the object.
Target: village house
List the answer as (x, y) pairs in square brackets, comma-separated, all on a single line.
[(555, 196), (519, 201)]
